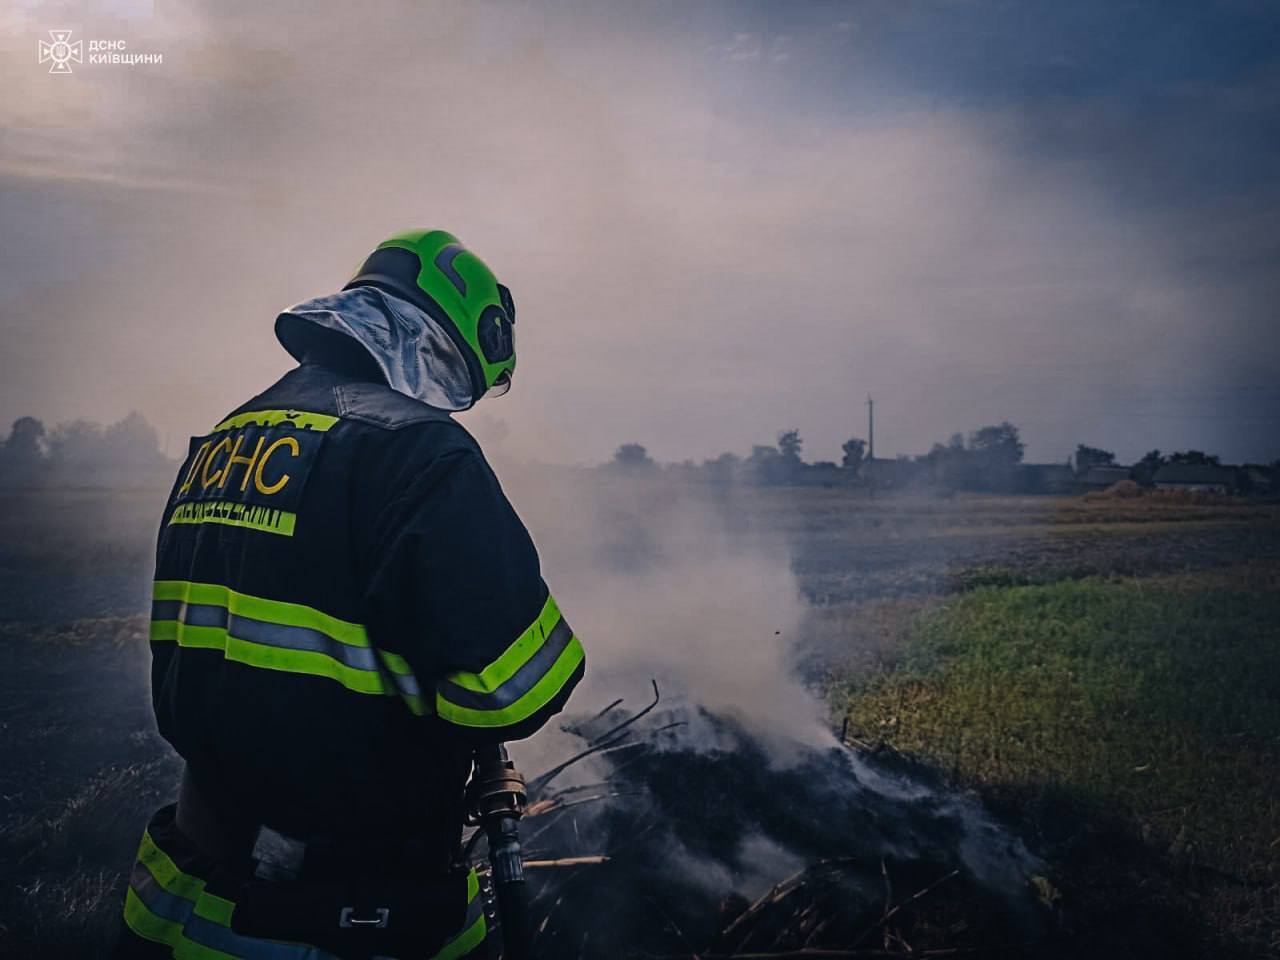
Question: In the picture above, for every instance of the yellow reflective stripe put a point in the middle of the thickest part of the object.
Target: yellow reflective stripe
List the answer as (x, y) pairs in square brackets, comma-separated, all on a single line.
[(217, 909), (259, 608), (515, 656), (232, 514), (203, 638), (146, 924), (157, 929), (166, 871), (186, 949), (269, 658), (164, 630), (542, 693), (473, 935), (396, 663), (464, 942), (301, 661), (319, 422), (150, 926), (260, 652)]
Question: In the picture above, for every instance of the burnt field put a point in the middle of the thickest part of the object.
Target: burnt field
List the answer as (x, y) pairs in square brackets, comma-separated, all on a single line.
[(1060, 722)]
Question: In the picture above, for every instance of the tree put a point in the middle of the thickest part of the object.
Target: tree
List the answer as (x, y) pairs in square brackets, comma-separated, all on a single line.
[(22, 455), (765, 465), (1195, 458), (77, 444), (1088, 457), (854, 450), (632, 456), (722, 470), (998, 445), (791, 464), (132, 443), (23, 446), (994, 453), (949, 464), (1144, 471), (790, 445)]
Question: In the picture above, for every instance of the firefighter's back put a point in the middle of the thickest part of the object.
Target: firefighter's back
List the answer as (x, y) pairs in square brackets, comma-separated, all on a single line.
[(265, 676), (345, 606)]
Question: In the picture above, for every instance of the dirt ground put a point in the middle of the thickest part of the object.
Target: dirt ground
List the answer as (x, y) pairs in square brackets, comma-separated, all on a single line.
[(81, 767)]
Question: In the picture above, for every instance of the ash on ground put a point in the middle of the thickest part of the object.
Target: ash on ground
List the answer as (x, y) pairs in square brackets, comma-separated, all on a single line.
[(675, 832)]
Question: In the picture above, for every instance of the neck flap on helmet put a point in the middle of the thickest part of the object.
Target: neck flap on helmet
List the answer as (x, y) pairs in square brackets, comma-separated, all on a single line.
[(416, 356)]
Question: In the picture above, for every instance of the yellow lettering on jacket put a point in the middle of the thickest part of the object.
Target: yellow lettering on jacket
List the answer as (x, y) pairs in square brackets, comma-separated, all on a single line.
[(207, 481), (195, 465), (284, 477), (248, 461)]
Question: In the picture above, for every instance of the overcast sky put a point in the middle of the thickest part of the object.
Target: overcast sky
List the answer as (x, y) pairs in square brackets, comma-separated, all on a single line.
[(719, 220)]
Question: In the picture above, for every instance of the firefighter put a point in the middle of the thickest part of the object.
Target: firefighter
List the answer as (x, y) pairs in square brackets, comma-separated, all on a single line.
[(345, 607)]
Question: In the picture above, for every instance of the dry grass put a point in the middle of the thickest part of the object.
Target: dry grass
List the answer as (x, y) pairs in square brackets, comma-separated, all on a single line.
[(1105, 670)]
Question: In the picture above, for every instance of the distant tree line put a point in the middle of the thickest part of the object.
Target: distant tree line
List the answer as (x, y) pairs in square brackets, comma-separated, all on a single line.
[(81, 453), (987, 459), (1248, 478), (983, 460)]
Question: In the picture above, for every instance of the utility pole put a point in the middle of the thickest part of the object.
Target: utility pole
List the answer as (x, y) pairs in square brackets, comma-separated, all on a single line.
[(871, 447), (871, 428)]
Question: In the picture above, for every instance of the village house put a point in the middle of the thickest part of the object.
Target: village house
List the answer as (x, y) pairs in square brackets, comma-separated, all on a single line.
[(1196, 476), (1047, 478), (1100, 478)]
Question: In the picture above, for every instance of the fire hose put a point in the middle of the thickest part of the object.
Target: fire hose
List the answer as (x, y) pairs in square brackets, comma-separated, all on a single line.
[(496, 800)]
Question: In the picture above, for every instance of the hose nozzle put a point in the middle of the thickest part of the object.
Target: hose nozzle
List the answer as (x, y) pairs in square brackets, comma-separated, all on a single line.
[(496, 799)]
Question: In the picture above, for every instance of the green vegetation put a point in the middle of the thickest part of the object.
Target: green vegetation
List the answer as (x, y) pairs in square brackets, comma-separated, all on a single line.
[(1103, 671), (1148, 704)]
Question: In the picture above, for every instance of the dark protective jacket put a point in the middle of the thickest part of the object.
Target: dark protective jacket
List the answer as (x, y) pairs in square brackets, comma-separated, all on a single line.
[(344, 604)]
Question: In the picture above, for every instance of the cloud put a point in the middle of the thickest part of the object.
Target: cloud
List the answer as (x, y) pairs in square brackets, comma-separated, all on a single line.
[(704, 249)]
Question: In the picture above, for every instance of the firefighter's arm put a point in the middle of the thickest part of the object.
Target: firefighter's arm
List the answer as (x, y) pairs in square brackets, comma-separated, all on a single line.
[(458, 595)]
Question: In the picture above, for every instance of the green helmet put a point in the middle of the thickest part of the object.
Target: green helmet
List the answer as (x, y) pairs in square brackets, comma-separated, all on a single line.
[(435, 272)]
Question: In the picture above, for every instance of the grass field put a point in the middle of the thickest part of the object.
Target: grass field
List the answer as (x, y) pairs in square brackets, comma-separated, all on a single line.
[(1131, 724), (1105, 674)]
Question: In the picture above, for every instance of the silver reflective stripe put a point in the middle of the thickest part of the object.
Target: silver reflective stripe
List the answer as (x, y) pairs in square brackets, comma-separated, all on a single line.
[(265, 626), (207, 933), (520, 682), (475, 910), (406, 684), (203, 615), (271, 634), (166, 609), (216, 936), (158, 900), (302, 638)]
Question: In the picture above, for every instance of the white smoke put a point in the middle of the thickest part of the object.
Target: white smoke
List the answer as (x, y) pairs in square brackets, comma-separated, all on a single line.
[(679, 584), (657, 585)]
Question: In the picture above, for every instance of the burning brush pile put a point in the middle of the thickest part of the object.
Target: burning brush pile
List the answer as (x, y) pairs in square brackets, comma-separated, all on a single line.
[(672, 832)]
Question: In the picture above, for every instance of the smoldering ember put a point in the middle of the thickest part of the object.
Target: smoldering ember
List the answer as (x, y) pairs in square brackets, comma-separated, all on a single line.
[(697, 818)]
